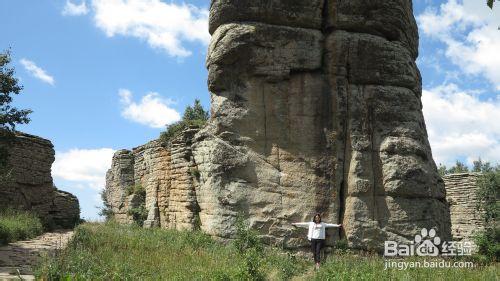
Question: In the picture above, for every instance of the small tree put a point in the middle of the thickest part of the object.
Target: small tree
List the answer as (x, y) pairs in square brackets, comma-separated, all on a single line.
[(480, 166), (458, 168), (9, 116), (490, 3), (106, 210), (197, 112), (195, 116)]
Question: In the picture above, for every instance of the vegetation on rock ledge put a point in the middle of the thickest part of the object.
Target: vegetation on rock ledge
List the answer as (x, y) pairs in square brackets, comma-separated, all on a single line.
[(195, 116)]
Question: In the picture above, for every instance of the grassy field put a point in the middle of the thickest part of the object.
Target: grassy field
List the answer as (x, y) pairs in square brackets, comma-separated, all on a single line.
[(114, 252), (18, 225)]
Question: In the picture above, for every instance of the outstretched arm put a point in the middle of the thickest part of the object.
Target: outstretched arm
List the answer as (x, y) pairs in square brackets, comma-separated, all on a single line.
[(300, 224), (332, 225)]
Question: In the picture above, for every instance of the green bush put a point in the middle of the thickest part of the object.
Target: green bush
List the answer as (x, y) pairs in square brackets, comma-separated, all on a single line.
[(194, 117), (135, 189), (488, 241), (105, 211), (18, 225), (246, 238), (139, 213)]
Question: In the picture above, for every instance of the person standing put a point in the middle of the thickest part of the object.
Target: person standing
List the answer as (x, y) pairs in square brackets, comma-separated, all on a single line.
[(316, 235)]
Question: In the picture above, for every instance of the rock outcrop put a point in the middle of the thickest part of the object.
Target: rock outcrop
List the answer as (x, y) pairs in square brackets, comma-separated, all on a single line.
[(461, 193), (166, 172), (28, 183), (315, 108)]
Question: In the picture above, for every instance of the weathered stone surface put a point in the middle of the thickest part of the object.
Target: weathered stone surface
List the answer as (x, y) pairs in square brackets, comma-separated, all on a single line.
[(168, 175), (302, 13), (461, 193), (118, 179), (315, 108), (318, 118), (392, 20), (29, 185), (65, 210)]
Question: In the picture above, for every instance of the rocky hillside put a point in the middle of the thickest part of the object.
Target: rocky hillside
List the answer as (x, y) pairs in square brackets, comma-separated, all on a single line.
[(27, 185), (316, 107)]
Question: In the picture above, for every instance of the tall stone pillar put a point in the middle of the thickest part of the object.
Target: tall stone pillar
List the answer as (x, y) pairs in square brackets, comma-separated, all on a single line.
[(316, 107)]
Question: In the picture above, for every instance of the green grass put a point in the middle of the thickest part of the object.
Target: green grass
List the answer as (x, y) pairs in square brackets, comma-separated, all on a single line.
[(116, 252), (18, 225), (349, 267)]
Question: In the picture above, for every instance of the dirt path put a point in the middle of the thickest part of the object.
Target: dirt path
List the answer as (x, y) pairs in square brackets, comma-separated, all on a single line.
[(18, 259)]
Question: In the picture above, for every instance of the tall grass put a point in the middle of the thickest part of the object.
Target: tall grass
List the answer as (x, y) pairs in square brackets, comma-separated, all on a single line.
[(116, 252), (18, 225), (372, 267)]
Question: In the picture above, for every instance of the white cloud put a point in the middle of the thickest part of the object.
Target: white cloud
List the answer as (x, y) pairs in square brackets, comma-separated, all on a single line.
[(469, 29), (36, 71), (461, 125), (153, 110), (72, 9), (163, 25), (86, 168)]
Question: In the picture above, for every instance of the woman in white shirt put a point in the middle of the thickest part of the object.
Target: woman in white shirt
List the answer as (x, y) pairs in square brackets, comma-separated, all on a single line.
[(316, 235)]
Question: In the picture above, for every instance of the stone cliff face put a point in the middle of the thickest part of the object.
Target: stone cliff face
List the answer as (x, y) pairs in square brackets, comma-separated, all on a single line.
[(466, 218), (167, 173), (315, 108), (29, 185)]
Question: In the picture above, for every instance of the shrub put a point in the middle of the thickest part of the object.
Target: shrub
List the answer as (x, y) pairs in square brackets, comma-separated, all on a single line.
[(105, 211), (135, 189), (194, 116), (488, 241), (248, 244), (246, 238), (341, 245), (139, 214)]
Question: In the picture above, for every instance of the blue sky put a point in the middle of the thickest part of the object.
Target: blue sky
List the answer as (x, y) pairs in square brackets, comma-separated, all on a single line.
[(102, 75)]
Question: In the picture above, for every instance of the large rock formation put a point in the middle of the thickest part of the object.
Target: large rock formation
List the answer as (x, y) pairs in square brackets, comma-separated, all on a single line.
[(466, 218), (28, 183), (315, 108)]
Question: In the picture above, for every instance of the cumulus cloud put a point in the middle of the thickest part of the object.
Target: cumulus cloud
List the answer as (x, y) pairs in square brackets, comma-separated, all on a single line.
[(469, 29), (37, 71), (152, 110), (72, 9), (460, 124), (86, 168), (165, 26)]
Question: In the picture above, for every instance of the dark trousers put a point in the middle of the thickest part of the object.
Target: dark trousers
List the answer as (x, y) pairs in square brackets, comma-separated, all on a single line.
[(316, 245)]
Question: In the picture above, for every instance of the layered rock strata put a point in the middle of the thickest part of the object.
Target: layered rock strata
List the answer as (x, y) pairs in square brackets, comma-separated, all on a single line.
[(166, 172), (28, 185), (315, 107), (466, 217)]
